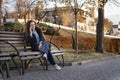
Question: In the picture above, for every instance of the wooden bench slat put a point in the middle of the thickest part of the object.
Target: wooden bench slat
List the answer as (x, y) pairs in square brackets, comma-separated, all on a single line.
[(11, 36), (4, 55), (5, 58), (7, 32), (12, 39), (30, 57), (28, 53), (57, 54), (17, 45), (7, 48), (56, 51)]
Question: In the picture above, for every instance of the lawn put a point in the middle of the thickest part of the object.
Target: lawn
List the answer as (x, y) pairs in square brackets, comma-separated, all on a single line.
[(73, 57)]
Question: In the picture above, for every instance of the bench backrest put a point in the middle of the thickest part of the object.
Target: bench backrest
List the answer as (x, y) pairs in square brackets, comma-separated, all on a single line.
[(15, 38), (18, 40)]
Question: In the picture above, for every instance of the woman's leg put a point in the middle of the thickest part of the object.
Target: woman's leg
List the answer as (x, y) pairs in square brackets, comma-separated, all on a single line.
[(46, 49), (52, 61), (50, 58)]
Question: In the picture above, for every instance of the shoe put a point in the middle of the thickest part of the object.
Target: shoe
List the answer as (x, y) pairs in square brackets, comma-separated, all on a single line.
[(45, 55), (57, 67)]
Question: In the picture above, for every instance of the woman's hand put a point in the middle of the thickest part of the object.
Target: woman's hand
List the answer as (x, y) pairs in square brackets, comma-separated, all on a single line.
[(40, 45), (31, 30)]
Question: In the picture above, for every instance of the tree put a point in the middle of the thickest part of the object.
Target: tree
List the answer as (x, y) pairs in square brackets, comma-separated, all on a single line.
[(115, 2), (23, 8), (100, 24), (40, 10), (4, 8), (100, 27), (0, 10), (107, 24), (76, 8), (67, 19)]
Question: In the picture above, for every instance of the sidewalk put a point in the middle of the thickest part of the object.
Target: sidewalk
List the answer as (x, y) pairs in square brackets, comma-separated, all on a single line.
[(37, 73), (74, 72)]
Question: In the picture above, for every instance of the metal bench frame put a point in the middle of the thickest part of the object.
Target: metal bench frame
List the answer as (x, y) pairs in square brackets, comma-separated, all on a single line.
[(24, 55)]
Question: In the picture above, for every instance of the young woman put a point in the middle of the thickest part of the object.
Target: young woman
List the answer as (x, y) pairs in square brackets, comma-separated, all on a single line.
[(38, 42)]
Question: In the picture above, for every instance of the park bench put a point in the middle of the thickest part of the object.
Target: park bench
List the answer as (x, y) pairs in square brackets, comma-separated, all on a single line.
[(13, 44)]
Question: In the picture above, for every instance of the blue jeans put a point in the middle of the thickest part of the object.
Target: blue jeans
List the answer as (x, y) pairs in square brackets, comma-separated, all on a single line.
[(46, 49)]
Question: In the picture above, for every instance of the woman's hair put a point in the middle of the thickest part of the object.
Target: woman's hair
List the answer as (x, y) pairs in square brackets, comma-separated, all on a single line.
[(28, 25)]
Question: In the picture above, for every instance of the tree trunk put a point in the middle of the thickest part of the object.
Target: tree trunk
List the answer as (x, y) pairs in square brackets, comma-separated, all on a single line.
[(76, 31), (100, 31), (73, 42)]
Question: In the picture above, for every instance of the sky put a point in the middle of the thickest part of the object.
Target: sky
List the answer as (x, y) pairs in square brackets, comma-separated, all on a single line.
[(112, 12), (111, 9)]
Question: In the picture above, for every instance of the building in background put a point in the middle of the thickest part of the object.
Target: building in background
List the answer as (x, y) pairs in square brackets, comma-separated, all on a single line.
[(115, 30)]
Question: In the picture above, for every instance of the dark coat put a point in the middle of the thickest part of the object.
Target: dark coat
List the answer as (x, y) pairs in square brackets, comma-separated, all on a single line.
[(33, 40)]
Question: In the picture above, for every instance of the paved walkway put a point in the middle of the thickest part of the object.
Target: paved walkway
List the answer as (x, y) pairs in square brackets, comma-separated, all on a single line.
[(105, 69)]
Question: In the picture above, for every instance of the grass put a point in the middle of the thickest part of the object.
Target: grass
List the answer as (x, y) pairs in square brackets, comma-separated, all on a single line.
[(64, 32), (73, 57)]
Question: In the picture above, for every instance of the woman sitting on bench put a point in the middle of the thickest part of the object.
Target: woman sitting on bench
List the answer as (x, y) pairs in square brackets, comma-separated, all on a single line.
[(38, 42)]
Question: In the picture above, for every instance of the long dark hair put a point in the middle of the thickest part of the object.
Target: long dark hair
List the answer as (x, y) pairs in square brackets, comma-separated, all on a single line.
[(36, 27), (27, 32), (28, 26)]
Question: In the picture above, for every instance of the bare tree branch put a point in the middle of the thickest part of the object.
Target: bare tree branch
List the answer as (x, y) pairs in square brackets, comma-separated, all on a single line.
[(115, 2)]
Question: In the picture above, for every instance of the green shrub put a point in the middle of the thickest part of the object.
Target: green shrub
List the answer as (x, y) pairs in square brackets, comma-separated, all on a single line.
[(51, 31), (9, 26), (48, 30)]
